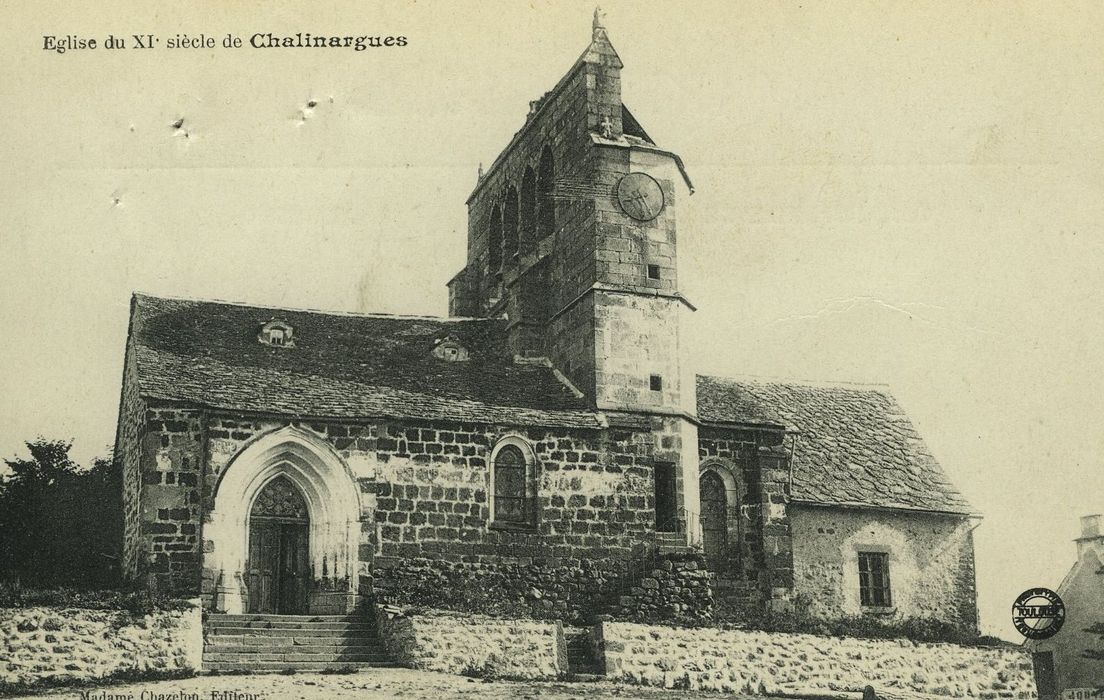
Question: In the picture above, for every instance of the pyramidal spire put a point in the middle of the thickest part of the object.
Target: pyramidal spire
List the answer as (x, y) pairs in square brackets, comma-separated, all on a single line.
[(600, 49)]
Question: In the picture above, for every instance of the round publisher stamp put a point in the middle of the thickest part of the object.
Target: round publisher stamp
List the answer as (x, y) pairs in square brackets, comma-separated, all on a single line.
[(1038, 613)]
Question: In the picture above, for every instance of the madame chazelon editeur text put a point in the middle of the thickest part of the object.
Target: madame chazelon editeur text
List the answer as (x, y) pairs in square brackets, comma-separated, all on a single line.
[(62, 43)]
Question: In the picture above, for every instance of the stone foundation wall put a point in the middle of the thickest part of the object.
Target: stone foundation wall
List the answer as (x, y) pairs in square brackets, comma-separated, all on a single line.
[(668, 587), (473, 644), (50, 644), (798, 664)]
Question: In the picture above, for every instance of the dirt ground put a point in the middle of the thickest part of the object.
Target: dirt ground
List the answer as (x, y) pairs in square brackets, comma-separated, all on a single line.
[(371, 684)]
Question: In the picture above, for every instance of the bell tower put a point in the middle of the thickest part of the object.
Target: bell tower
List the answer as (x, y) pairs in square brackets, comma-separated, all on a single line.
[(572, 238)]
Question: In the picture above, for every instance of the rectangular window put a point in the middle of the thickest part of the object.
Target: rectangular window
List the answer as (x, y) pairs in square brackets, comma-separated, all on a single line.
[(874, 579), (665, 508), (653, 272), (655, 382)]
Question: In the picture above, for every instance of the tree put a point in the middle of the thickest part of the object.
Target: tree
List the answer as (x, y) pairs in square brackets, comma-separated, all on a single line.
[(60, 524)]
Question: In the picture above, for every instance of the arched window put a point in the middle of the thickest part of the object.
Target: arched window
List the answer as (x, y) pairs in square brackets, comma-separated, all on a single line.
[(513, 484), (494, 240), (528, 218), (546, 211), (510, 222)]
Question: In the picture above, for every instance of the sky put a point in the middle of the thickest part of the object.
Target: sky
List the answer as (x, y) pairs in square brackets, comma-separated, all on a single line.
[(894, 192)]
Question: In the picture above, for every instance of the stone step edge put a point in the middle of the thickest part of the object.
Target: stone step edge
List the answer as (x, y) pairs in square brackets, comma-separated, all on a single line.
[(314, 658), (293, 649), (262, 631), (268, 642), (299, 666), (278, 616)]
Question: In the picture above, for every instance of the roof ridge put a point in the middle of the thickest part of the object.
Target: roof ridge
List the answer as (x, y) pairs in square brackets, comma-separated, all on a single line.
[(351, 314), (797, 381)]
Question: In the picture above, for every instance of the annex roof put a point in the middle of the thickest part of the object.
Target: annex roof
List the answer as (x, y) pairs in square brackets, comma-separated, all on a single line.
[(342, 366), (855, 445)]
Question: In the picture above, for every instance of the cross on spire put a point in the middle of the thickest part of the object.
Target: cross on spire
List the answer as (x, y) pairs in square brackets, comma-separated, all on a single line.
[(599, 27)]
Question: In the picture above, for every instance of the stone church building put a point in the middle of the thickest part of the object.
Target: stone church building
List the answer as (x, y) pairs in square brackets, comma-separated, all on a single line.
[(537, 444)]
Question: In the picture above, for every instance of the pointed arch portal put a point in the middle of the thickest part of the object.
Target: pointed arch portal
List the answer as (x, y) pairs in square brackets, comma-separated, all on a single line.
[(284, 529)]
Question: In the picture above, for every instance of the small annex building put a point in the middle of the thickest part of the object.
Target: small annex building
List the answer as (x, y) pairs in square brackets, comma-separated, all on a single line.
[(1070, 665), (539, 441)]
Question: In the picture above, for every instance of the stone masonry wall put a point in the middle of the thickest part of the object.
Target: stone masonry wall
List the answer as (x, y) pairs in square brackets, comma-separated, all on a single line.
[(172, 459), (931, 561), (424, 491), (473, 644), (760, 540), (806, 665), (670, 586), (50, 644), (128, 458)]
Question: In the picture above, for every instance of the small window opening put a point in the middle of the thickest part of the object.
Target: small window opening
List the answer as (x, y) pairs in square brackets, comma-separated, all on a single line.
[(656, 382), (653, 272), (277, 333), (874, 579), (665, 504)]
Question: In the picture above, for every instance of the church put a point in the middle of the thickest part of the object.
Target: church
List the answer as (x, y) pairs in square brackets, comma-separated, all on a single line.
[(538, 444)]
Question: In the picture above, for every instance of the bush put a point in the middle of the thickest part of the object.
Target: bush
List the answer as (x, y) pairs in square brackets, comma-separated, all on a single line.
[(137, 602), (917, 629), (120, 677), (60, 523)]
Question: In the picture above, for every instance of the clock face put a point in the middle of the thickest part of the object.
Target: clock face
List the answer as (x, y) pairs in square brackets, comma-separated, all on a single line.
[(640, 196)]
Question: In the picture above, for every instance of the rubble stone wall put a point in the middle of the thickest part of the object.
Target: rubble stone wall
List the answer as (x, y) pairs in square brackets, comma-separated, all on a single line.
[(49, 644), (474, 645), (931, 562), (798, 664)]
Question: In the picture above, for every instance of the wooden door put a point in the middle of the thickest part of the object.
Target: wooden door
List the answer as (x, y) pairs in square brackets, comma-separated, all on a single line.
[(264, 557), (714, 516), (292, 585), (279, 560)]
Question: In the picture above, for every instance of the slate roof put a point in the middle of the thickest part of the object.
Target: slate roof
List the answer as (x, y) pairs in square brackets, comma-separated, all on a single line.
[(342, 366), (855, 445)]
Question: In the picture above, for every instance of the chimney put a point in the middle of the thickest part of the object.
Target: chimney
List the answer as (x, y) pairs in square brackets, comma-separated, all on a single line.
[(1091, 537), (1090, 526)]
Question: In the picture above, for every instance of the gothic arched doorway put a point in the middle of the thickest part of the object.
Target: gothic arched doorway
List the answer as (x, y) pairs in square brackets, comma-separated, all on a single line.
[(714, 516), (279, 562)]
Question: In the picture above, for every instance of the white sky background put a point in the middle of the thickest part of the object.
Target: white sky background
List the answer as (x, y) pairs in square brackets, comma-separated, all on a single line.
[(908, 193)]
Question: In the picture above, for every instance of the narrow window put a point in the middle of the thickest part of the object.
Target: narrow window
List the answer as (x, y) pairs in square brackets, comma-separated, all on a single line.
[(655, 382), (511, 487), (665, 508), (510, 223), (527, 217), (653, 272), (874, 579), (546, 208), (494, 240)]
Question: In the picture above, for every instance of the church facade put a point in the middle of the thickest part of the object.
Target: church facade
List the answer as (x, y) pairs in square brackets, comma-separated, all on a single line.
[(539, 442)]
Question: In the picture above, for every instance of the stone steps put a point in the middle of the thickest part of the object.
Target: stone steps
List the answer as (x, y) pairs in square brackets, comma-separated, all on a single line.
[(269, 643), (580, 654)]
